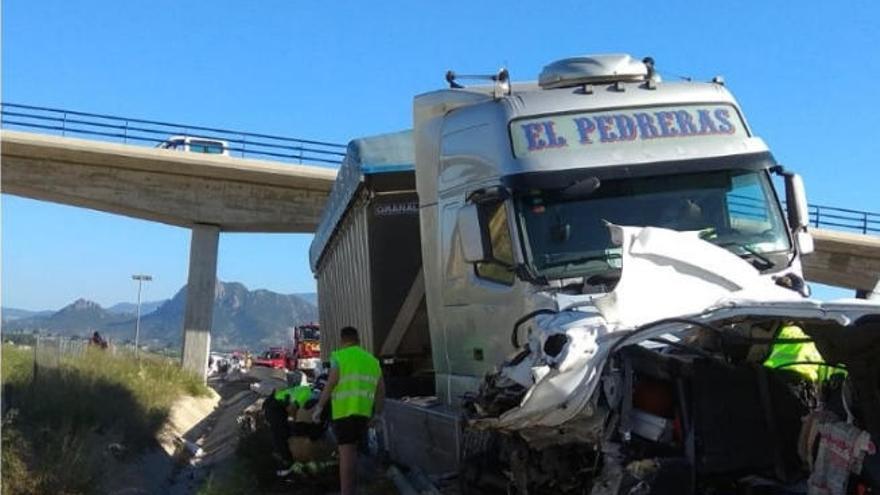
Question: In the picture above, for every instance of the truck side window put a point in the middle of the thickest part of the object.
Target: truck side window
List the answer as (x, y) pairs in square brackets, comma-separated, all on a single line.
[(499, 269)]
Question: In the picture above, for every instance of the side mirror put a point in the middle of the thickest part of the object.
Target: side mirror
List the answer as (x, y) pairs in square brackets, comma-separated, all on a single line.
[(798, 212), (796, 197), (805, 242), (474, 243)]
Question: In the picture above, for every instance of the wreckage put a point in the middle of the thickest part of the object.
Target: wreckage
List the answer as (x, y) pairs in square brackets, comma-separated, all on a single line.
[(589, 285), (670, 393)]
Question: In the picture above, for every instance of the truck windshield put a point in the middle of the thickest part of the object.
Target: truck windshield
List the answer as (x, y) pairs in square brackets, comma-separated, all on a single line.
[(309, 333), (567, 236)]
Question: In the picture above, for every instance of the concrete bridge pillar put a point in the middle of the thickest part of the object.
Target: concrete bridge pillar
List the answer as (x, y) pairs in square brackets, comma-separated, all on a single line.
[(200, 286)]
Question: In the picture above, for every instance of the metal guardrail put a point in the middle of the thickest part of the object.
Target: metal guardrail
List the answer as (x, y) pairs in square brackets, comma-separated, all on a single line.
[(863, 222), (250, 144), (139, 131)]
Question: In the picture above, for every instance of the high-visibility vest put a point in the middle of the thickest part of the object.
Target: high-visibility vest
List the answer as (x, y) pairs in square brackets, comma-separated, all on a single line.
[(783, 356), (359, 373), (299, 394)]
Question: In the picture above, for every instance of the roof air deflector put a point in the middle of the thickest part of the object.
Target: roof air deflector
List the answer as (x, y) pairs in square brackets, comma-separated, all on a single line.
[(576, 71)]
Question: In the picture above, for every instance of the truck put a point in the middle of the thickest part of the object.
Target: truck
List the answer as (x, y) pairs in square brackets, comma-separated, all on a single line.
[(307, 348), (589, 284)]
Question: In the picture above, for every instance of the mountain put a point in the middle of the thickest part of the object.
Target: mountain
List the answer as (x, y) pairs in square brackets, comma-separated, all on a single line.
[(16, 314), (242, 319), (311, 297), (147, 307), (81, 317)]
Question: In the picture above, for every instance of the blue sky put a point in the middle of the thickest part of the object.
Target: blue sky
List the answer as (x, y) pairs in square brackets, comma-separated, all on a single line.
[(803, 73)]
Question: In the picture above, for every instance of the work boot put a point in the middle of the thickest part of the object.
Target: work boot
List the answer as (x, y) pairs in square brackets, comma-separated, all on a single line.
[(295, 468)]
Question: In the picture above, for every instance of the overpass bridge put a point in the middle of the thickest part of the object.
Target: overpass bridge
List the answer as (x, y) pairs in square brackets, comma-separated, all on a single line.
[(267, 184)]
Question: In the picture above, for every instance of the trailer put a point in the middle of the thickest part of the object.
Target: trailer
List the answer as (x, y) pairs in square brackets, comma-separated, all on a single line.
[(367, 260)]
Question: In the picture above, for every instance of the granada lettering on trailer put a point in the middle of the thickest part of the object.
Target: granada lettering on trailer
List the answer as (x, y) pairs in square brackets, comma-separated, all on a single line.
[(598, 129), (392, 209)]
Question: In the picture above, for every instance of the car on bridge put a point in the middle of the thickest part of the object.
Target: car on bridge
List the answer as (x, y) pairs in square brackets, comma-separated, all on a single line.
[(195, 144)]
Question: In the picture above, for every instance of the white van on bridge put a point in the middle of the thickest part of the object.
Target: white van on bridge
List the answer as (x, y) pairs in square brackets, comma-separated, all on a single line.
[(195, 144)]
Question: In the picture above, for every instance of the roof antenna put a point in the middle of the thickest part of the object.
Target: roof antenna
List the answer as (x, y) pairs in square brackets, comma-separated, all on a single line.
[(500, 79), (502, 83), (652, 77), (649, 63), (450, 78)]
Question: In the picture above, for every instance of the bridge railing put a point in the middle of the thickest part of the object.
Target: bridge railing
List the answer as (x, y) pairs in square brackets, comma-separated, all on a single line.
[(151, 132), (863, 222), (281, 148), (831, 217)]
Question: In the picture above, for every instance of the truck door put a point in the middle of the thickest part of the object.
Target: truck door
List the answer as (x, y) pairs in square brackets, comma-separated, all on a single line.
[(481, 301)]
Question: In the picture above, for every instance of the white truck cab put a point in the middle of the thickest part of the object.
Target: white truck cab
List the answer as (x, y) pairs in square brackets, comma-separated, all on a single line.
[(518, 185)]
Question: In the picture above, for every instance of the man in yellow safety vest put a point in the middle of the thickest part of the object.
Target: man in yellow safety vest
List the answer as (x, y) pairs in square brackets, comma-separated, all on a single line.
[(278, 407), (800, 357), (356, 394)]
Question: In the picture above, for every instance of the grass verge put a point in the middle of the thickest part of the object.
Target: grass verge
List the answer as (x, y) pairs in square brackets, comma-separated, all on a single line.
[(251, 470), (60, 424)]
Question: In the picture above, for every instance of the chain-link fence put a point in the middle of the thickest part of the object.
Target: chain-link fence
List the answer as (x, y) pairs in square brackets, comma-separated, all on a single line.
[(51, 351)]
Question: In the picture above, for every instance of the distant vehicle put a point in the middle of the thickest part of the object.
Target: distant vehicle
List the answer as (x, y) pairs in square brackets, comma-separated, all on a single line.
[(307, 347), (276, 357), (195, 144), (218, 363)]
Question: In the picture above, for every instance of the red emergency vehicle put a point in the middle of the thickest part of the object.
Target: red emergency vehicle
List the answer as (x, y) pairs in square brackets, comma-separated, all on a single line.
[(276, 357), (307, 347)]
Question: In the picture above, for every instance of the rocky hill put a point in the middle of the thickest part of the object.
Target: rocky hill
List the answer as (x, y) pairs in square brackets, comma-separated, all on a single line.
[(82, 316), (242, 319), (10, 314), (147, 307)]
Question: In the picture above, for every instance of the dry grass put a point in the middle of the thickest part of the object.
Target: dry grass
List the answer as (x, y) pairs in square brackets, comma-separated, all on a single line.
[(58, 424), (16, 364)]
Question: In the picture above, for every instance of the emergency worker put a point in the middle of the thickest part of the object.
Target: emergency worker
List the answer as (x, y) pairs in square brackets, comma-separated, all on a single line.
[(308, 443), (802, 358), (356, 394), (278, 407)]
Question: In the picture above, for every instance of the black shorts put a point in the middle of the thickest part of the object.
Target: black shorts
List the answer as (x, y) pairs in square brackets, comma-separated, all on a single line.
[(350, 429)]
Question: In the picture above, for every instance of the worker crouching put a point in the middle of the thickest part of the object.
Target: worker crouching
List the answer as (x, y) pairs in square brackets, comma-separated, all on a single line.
[(297, 434)]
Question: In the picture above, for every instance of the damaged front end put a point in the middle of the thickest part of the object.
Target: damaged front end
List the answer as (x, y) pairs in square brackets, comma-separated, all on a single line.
[(664, 385)]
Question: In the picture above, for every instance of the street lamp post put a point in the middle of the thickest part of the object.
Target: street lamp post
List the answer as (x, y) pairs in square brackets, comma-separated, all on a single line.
[(137, 326)]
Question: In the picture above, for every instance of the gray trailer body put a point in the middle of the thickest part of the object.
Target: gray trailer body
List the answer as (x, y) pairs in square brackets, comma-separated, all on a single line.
[(366, 255)]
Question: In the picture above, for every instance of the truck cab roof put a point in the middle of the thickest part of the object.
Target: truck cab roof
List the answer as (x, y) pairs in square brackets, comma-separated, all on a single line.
[(608, 124)]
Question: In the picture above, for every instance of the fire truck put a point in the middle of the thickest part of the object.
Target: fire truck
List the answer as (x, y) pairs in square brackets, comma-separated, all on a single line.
[(307, 347)]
